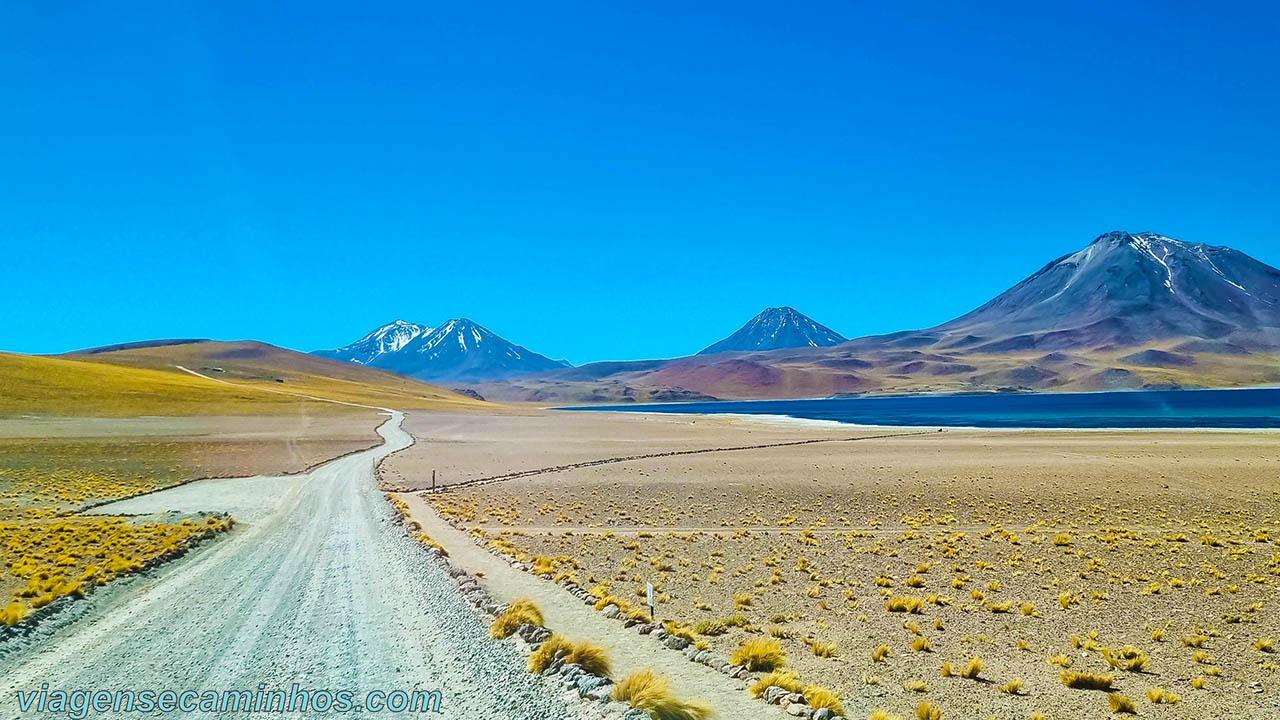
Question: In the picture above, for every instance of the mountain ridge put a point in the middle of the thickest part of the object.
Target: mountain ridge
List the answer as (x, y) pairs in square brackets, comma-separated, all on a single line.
[(1128, 310), (459, 349), (776, 328)]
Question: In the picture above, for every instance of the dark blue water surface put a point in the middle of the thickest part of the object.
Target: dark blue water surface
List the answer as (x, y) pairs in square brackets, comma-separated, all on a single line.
[(1249, 408)]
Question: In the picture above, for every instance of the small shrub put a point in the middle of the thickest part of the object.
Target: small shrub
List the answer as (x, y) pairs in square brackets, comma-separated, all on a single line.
[(1086, 681), (926, 711), (648, 691), (972, 670), (879, 653), (904, 603), (13, 613), (679, 631), (1121, 704), (759, 654), (1013, 687), (879, 714), (823, 650), (1129, 658), (780, 678), (711, 628), (921, 645), (517, 613), (915, 685), (1266, 645), (816, 696), (1160, 696), (590, 656), (1060, 660)]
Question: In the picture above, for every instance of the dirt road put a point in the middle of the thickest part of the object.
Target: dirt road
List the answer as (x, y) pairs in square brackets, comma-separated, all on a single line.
[(318, 587)]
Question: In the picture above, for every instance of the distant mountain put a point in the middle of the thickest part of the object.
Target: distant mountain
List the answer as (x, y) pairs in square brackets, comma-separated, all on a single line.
[(1127, 311), (777, 328), (387, 339), (458, 349), (1122, 290)]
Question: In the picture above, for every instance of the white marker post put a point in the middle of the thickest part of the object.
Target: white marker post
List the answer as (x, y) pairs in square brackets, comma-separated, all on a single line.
[(648, 596)]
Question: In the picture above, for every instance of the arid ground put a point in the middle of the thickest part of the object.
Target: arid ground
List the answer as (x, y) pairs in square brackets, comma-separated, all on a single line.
[(1151, 557)]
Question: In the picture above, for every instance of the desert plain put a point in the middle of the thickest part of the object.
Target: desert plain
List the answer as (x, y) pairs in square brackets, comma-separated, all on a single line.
[(885, 561)]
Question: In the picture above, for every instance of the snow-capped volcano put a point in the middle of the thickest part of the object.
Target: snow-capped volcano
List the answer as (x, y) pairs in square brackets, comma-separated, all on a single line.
[(776, 328), (458, 349), (389, 338), (1127, 289)]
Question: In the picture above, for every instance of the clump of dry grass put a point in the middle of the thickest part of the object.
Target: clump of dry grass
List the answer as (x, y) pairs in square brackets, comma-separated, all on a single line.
[(1128, 658), (816, 696), (927, 711), (679, 631), (648, 691), (969, 671), (915, 685), (905, 603), (1266, 645), (711, 628), (879, 653), (1121, 704), (13, 613), (823, 650), (1086, 681), (780, 678), (1013, 687), (1160, 696), (519, 612), (589, 656), (921, 645), (759, 654), (879, 714)]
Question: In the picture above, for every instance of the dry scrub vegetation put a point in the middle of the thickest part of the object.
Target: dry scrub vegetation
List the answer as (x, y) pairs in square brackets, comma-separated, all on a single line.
[(984, 597), (49, 553)]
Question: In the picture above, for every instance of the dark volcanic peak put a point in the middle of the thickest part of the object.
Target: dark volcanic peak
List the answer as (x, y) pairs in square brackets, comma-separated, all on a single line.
[(458, 349), (1124, 289), (387, 339), (776, 328)]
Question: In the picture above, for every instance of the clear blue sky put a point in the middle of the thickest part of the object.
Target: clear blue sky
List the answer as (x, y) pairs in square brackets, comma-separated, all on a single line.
[(604, 180)]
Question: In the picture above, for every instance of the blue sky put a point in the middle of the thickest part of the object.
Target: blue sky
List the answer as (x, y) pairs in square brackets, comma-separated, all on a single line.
[(604, 180)]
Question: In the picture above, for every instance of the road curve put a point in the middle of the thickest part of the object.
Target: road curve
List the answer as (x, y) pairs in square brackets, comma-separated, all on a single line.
[(316, 587)]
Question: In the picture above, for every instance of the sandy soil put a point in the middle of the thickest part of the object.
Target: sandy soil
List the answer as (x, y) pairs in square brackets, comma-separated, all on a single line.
[(317, 587), (1147, 537)]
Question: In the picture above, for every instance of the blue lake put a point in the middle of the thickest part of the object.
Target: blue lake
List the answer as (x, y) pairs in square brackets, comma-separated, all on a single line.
[(1247, 408)]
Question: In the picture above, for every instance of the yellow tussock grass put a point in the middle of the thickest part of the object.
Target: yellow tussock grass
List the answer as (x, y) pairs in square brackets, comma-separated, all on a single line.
[(648, 691), (518, 613), (759, 654)]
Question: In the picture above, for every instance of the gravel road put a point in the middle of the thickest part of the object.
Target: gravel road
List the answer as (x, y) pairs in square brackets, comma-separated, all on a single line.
[(316, 587)]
